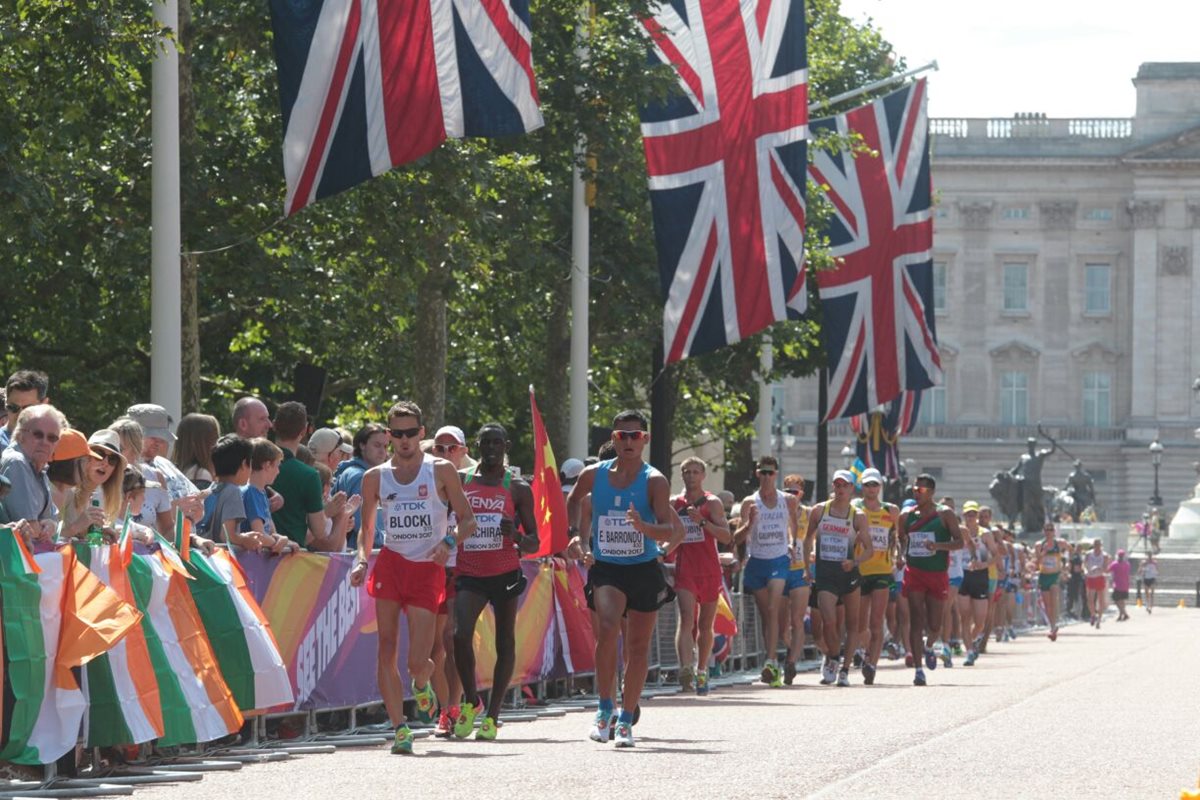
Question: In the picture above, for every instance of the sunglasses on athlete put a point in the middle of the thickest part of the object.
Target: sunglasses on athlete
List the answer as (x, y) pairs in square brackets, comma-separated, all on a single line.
[(446, 448), (766, 472), (631, 436), (404, 433)]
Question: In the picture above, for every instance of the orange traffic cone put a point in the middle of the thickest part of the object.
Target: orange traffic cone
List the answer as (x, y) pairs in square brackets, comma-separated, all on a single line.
[(1182, 603), (1139, 602)]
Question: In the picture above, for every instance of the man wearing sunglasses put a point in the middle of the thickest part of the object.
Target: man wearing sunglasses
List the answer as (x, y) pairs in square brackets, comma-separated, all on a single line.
[(768, 518), (417, 492), (928, 532), (24, 463), (631, 515), (23, 389)]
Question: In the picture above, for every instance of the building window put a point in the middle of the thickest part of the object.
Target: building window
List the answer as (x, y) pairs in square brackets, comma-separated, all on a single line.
[(1098, 214), (1016, 287), (933, 406), (1014, 398), (1097, 399), (1097, 289), (939, 286), (1015, 212)]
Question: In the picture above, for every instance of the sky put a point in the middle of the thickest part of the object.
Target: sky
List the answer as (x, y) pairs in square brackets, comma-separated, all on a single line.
[(1064, 58)]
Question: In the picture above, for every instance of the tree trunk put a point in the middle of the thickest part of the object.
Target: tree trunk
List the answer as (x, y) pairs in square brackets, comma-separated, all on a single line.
[(189, 264), (429, 342)]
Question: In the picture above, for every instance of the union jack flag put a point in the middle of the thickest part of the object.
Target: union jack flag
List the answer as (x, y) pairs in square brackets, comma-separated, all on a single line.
[(877, 306), (879, 432), (726, 158), (367, 85)]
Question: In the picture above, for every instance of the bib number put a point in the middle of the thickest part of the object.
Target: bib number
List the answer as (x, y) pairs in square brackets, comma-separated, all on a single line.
[(834, 547), (487, 534), (618, 538), (879, 539), (409, 523), (1050, 563), (692, 533), (768, 537), (918, 544)]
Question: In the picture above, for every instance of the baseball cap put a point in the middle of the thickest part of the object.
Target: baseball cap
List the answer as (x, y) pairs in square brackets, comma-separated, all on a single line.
[(571, 468), (907, 504), (73, 444), (154, 419), (325, 440), (105, 440), (969, 506), (871, 475), (451, 430), (844, 475)]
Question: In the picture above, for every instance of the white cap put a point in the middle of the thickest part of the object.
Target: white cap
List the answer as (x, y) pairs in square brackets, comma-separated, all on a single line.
[(571, 468), (325, 440), (452, 430), (844, 475), (871, 475)]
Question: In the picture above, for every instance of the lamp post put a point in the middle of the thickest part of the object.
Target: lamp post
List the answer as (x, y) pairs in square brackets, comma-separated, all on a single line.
[(1156, 453), (781, 437), (847, 455)]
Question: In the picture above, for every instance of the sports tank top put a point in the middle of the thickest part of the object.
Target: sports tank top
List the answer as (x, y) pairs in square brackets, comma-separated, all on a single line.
[(954, 563), (801, 533), (488, 552), (1051, 559), (415, 518), (834, 538), (1093, 564), (769, 536), (614, 539), (697, 555), (921, 536), (879, 523)]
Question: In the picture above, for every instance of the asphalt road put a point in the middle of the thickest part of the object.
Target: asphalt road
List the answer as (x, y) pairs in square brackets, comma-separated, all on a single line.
[(1107, 713)]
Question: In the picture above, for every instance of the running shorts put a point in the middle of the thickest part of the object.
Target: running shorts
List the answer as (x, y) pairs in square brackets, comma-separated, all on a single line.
[(796, 579), (705, 588), (1120, 594), (644, 585), (1097, 583), (410, 583), (935, 584), (496, 588), (974, 585), (870, 583), (761, 571), (1047, 580), (894, 589), (838, 582), (1149, 582), (955, 582)]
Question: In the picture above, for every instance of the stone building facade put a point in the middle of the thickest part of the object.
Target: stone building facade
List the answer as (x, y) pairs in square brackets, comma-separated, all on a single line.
[(1067, 293)]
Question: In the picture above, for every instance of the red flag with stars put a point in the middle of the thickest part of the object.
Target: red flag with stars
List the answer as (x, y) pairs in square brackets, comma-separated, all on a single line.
[(549, 505)]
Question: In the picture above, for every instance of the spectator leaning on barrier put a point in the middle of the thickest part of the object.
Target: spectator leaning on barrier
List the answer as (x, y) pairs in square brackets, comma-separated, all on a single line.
[(156, 428), (195, 436), (327, 447), (370, 450), (156, 512), (24, 463), (65, 469), (302, 518), (103, 475), (23, 389)]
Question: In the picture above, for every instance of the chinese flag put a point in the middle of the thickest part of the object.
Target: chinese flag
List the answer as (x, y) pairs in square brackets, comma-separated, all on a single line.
[(549, 505)]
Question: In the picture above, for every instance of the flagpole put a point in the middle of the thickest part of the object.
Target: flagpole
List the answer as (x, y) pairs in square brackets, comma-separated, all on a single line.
[(166, 327), (766, 362), (871, 87), (577, 439)]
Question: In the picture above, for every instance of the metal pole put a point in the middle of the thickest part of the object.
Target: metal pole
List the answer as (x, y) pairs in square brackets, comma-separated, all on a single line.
[(763, 423), (166, 328), (578, 436), (870, 87)]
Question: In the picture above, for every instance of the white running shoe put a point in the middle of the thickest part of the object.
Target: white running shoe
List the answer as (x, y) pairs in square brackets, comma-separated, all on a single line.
[(602, 726), (624, 735)]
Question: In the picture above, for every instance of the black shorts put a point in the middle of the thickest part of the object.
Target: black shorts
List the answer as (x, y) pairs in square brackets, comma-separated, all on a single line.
[(1120, 594), (975, 584), (836, 581), (496, 588), (644, 585), (871, 583), (1149, 582)]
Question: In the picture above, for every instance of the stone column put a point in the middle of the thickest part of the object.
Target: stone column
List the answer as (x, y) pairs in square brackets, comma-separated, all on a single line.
[(1144, 215)]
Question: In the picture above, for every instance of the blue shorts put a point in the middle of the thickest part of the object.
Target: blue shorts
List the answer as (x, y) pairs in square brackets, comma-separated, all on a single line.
[(760, 571), (894, 589), (796, 579), (956, 581)]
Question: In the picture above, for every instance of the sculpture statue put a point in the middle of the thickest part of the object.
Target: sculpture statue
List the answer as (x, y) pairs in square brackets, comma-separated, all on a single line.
[(1028, 475), (1081, 489)]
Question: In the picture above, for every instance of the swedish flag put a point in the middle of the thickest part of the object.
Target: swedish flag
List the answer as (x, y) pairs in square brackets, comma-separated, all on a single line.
[(858, 468)]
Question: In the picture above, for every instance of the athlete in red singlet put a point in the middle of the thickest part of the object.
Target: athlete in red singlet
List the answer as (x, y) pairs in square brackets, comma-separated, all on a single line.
[(698, 574), (489, 571)]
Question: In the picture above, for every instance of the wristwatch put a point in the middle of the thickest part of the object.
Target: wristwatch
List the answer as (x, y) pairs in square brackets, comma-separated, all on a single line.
[(450, 541)]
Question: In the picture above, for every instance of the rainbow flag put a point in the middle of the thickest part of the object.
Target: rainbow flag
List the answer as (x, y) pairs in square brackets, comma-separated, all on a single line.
[(54, 620), (550, 507)]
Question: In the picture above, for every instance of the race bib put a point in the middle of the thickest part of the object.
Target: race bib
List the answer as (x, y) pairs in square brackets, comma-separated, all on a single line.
[(618, 539), (409, 522), (918, 544), (879, 538), (487, 534), (1050, 563), (692, 533), (834, 548), (768, 536)]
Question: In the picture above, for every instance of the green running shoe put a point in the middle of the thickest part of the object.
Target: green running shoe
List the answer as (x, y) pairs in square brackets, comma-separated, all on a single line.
[(702, 683), (404, 741), (426, 702), (487, 730), (466, 720)]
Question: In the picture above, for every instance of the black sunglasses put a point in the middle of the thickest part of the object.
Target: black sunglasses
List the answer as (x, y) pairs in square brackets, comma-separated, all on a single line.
[(13, 408), (113, 459), (766, 472), (404, 433)]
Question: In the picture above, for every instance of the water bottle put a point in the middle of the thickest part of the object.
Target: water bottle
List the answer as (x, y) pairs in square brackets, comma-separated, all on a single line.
[(94, 534)]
